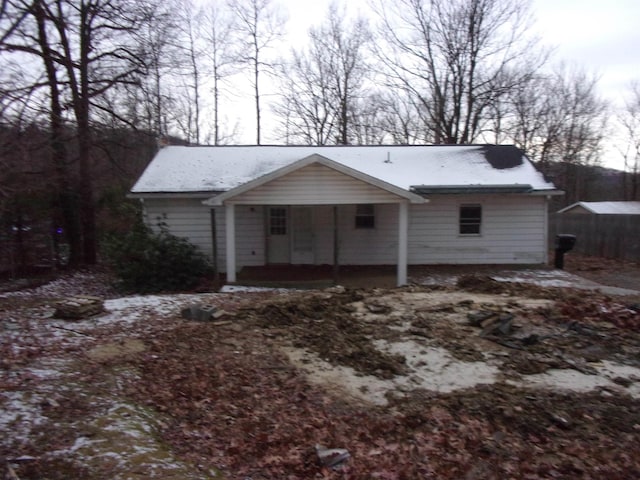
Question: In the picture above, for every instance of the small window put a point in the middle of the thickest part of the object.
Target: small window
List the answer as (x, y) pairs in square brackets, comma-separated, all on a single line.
[(470, 219), (278, 221), (365, 216)]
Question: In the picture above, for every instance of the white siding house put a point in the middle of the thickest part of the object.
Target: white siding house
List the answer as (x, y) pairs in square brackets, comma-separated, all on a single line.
[(350, 205)]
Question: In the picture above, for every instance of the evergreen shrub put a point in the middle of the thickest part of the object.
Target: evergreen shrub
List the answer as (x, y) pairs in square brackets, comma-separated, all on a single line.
[(150, 262)]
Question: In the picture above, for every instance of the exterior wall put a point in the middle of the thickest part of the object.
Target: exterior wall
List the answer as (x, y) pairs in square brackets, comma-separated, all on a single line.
[(363, 246), (377, 246), (250, 235), (184, 217), (513, 231)]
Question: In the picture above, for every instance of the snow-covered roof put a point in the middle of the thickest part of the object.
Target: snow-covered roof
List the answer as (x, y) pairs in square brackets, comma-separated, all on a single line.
[(216, 169), (606, 208)]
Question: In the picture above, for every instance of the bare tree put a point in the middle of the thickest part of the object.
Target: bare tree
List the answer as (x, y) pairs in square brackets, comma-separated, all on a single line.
[(629, 118), (260, 23), (560, 120), (324, 83), (219, 31), (85, 50), (403, 122), (157, 38), (456, 57)]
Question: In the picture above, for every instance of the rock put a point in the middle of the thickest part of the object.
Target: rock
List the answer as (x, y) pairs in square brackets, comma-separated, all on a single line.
[(201, 313), (332, 457), (377, 308), (219, 314), (78, 307), (477, 318), (338, 289), (501, 325), (560, 421)]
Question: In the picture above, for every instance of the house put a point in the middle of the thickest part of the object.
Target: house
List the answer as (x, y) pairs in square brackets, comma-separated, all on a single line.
[(350, 205), (603, 208)]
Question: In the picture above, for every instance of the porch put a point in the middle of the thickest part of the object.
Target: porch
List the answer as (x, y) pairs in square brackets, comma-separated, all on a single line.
[(307, 210)]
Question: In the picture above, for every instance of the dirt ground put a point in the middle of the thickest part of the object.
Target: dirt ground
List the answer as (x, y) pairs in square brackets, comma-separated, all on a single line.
[(604, 270), (480, 379)]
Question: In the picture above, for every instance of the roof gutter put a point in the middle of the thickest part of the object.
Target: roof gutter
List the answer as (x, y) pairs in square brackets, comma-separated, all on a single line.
[(481, 189), (203, 194)]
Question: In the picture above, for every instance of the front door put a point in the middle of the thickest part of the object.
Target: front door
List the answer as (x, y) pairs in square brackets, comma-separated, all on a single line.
[(278, 235), (302, 236)]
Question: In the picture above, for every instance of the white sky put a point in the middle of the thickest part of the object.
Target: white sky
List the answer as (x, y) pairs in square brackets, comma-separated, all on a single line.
[(602, 36)]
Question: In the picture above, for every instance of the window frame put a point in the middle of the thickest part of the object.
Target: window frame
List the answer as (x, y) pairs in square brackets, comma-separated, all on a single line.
[(466, 221), (365, 220), (278, 221)]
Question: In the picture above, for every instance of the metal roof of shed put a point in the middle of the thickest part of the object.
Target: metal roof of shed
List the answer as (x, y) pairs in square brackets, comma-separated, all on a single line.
[(606, 208)]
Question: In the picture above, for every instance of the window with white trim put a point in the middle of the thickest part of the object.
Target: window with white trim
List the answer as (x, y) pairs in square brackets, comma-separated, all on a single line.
[(470, 219), (365, 216)]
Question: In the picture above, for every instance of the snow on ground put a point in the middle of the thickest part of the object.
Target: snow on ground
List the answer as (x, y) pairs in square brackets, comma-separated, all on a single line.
[(41, 375), (37, 383), (433, 368), (541, 277)]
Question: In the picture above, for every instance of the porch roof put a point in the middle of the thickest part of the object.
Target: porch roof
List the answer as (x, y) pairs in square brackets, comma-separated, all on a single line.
[(315, 189)]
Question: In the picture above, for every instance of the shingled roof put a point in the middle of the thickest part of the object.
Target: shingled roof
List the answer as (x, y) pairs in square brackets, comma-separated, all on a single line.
[(177, 169)]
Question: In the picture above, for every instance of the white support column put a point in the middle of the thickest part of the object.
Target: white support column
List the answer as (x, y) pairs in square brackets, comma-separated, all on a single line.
[(230, 221), (403, 241)]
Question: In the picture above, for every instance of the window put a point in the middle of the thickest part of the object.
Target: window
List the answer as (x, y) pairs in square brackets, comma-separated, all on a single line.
[(365, 216), (277, 221), (470, 219)]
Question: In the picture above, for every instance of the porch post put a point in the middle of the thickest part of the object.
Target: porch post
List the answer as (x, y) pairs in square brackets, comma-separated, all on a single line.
[(403, 241), (230, 222)]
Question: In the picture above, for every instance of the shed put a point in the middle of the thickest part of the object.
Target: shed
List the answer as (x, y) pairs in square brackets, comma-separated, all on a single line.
[(603, 208), (350, 205)]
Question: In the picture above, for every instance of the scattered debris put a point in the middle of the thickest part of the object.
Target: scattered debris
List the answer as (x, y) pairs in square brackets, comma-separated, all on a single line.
[(202, 313), (79, 307), (555, 372), (332, 457)]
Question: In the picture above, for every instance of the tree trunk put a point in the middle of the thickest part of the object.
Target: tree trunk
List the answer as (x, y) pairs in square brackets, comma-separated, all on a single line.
[(65, 197)]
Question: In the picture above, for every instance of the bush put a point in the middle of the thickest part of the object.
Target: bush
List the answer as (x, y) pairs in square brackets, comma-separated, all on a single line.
[(149, 262)]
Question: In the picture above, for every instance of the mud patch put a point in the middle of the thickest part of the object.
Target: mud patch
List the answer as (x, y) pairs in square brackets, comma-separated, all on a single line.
[(110, 351), (324, 324)]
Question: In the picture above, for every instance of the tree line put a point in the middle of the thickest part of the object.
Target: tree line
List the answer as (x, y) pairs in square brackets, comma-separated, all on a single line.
[(81, 79)]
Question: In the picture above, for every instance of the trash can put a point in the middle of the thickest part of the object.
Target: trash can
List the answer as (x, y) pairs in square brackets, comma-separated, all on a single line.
[(564, 243)]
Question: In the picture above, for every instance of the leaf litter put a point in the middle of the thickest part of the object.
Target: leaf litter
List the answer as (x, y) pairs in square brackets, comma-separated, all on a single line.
[(401, 379)]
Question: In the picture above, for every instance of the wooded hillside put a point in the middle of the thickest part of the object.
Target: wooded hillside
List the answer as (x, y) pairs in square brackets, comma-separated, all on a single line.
[(88, 88)]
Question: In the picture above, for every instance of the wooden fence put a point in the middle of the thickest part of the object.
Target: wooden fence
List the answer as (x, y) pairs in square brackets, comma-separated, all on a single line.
[(610, 236)]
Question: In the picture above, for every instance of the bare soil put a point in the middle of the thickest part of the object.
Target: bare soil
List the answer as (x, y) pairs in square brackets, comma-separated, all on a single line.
[(607, 271), (479, 380)]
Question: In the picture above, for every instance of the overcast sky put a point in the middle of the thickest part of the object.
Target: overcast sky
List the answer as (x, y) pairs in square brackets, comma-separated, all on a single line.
[(602, 36)]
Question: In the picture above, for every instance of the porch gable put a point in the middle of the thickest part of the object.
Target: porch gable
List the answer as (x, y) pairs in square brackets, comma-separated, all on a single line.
[(314, 180)]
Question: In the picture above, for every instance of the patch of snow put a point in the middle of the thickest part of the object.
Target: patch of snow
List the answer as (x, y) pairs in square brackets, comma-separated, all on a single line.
[(435, 369), (248, 289), (85, 283), (44, 373), (574, 381), (161, 304), (432, 368), (20, 412)]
